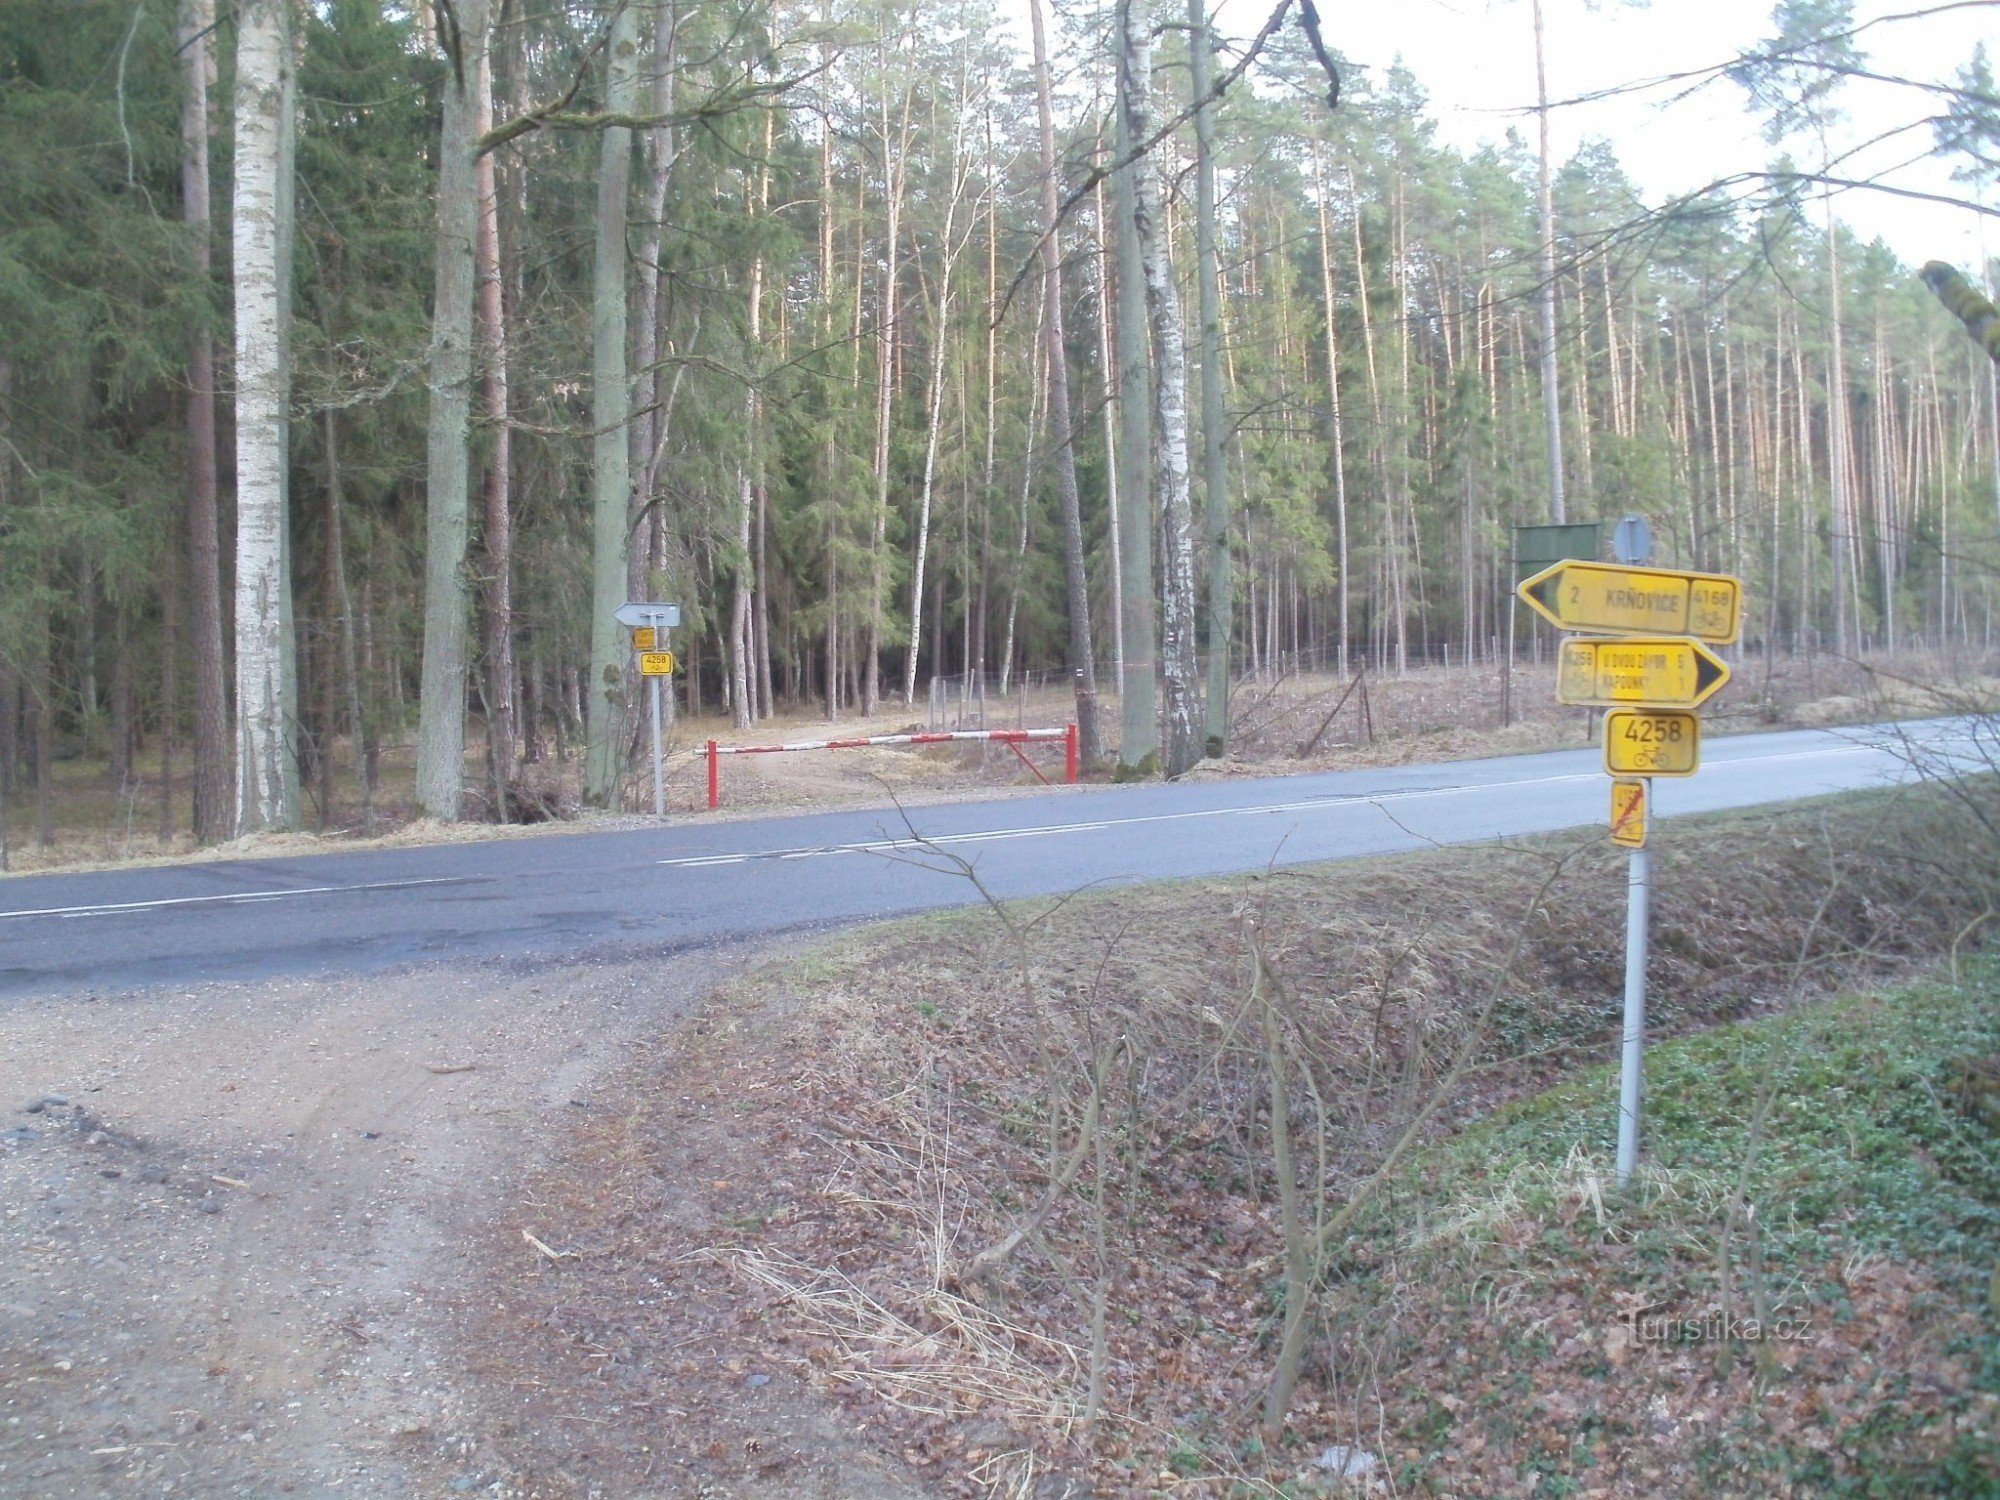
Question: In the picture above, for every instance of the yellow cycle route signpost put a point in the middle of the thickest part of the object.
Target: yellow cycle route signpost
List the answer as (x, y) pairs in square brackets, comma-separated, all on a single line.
[(1641, 652), (649, 624)]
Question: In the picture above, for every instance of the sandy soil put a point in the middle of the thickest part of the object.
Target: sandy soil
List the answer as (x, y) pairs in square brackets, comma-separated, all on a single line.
[(240, 1228)]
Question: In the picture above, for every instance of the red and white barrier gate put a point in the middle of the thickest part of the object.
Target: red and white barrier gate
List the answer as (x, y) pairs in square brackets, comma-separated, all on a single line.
[(1014, 739)]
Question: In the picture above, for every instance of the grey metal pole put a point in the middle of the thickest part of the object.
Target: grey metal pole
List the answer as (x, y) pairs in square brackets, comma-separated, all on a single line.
[(1632, 1070), (659, 775)]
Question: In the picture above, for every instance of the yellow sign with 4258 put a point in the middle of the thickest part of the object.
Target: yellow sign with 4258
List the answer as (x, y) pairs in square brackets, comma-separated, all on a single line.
[(1651, 742)]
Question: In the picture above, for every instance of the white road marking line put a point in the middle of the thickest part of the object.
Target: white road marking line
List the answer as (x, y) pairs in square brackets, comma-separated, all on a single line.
[(227, 898), (995, 835)]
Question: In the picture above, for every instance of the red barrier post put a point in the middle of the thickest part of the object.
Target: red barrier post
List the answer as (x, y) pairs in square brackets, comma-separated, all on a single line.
[(714, 776), (1069, 751)]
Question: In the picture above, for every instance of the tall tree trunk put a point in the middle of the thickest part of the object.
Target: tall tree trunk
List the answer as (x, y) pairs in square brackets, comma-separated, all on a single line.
[(1037, 393), (950, 247), (1182, 738), (895, 172), (343, 610), (212, 811), (750, 479), (267, 791), (1336, 438), (1140, 741), (497, 534), (1836, 436), (1545, 210), (1214, 428), (649, 422), (611, 409), (1062, 428), (441, 708), (1108, 367), (171, 589)]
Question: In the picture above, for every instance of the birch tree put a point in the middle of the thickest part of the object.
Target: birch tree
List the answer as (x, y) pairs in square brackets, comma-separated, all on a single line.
[(267, 781), (1214, 421), (1171, 501), (1139, 741)]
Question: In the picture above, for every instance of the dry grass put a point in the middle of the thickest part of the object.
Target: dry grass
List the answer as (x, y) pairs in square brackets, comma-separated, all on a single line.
[(901, 1100), (943, 1356)]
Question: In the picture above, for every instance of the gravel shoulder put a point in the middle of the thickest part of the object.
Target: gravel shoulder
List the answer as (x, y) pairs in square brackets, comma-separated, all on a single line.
[(240, 1226)]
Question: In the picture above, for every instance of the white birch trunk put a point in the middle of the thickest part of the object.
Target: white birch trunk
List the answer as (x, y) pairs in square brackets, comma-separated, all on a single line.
[(267, 768), (1182, 729), (1139, 686)]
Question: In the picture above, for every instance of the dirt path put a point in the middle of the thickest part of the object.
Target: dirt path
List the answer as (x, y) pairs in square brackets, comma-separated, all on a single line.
[(235, 1221)]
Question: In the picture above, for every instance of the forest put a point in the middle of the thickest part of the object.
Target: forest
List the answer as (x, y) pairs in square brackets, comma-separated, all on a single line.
[(358, 358)]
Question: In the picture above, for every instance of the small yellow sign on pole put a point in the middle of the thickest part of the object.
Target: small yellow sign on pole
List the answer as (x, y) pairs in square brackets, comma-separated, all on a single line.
[(1628, 813), (1638, 671), (1611, 598), (645, 638), (656, 663), (1651, 742)]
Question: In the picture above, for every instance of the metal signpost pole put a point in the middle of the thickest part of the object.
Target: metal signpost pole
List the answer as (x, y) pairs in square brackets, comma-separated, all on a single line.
[(659, 775), (1632, 1053), (662, 622), (1632, 544), (1513, 613)]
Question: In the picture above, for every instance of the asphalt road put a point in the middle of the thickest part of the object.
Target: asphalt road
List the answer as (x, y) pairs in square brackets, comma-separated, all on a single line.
[(695, 884)]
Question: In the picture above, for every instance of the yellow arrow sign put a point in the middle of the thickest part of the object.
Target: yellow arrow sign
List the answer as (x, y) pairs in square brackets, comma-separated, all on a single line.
[(1651, 742), (656, 663), (1639, 671), (1608, 598), (1628, 813)]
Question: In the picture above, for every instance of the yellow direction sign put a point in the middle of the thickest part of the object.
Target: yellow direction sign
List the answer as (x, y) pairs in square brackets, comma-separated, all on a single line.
[(1651, 742), (1628, 813), (656, 663), (1639, 671), (645, 638), (1609, 598)]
